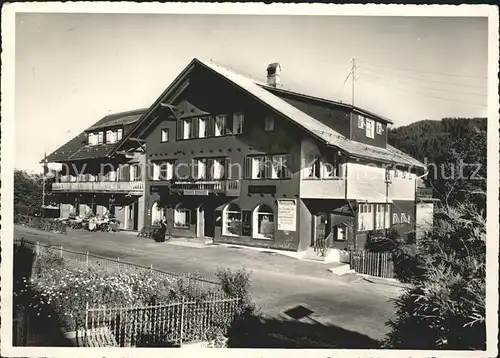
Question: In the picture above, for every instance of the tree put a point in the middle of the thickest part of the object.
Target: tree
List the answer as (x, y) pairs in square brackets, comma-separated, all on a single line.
[(444, 308), (454, 150), (28, 192)]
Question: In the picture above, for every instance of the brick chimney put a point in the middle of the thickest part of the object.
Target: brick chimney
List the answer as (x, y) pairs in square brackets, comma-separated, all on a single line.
[(273, 74)]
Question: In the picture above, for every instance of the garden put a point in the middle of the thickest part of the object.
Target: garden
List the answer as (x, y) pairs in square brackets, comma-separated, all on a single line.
[(147, 307)]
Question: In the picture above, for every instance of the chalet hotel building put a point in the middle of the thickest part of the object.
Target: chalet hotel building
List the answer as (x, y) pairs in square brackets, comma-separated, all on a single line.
[(226, 157)]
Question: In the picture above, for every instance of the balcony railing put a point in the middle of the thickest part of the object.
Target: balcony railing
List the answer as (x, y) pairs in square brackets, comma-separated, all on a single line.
[(100, 186), (205, 187)]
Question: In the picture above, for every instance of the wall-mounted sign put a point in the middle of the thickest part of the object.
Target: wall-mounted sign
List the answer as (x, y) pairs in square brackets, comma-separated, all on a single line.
[(287, 215)]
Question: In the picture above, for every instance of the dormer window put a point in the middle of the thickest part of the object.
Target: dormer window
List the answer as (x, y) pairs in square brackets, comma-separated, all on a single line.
[(370, 130), (361, 122)]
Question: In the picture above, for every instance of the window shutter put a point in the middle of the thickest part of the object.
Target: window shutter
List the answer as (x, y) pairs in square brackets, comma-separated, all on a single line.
[(229, 124), (210, 127), (194, 170), (227, 166), (268, 167), (209, 169), (248, 168), (180, 129), (195, 127)]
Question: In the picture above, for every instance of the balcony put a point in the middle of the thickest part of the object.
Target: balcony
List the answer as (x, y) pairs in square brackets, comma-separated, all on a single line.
[(205, 187), (100, 187)]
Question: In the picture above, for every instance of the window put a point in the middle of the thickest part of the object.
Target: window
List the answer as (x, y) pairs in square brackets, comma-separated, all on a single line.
[(370, 130), (181, 217), (322, 168), (327, 170), (202, 128), (314, 167), (259, 167), (92, 139), (280, 167), (361, 121), (188, 128), (100, 138), (156, 171), (341, 232), (263, 222), (231, 220), (387, 216), (403, 174), (164, 135), (220, 125), (269, 124), (365, 217), (119, 134), (238, 119), (110, 137), (199, 169), (135, 173), (380, 128), (167, 170), (217, 168), (380, 216)]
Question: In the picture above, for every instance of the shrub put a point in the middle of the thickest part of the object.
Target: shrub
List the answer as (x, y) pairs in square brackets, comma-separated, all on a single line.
[(237, 284), (445, 306)]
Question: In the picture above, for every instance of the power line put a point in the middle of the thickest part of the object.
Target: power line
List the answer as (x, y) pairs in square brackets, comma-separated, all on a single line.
[(422, 71), (433, 88), (343, 84), (428, 95), (434, 81)]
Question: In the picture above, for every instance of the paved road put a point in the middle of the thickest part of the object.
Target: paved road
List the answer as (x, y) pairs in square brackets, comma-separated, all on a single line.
[(278, 282)]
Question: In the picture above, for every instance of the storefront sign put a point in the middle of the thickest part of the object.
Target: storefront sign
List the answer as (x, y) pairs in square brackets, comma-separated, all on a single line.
[(287, 214), (195, 192)]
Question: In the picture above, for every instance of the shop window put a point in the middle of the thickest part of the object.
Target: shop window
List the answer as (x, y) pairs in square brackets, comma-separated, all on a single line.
[(231, 220), (181, 217), (263, 222)]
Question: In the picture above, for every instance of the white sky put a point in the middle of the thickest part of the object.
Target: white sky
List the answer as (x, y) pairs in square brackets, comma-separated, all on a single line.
[(72, 69)]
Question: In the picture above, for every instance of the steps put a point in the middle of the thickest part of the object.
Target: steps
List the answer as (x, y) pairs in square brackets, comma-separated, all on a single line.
[(343, 269), (311, 255)]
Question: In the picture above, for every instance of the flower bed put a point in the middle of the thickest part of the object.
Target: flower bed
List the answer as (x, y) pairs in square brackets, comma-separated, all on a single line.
[(69, 288)]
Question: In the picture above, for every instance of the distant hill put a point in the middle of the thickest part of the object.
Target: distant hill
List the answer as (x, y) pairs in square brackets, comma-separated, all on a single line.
[(454, 150)]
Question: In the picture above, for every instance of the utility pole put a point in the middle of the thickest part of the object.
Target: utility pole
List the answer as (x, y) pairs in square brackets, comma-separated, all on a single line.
[(353, 78)]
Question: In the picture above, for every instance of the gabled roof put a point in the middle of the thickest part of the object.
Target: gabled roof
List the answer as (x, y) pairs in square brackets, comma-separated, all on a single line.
[(280, 92), (117, 119), (77, 148), (311, 125)]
